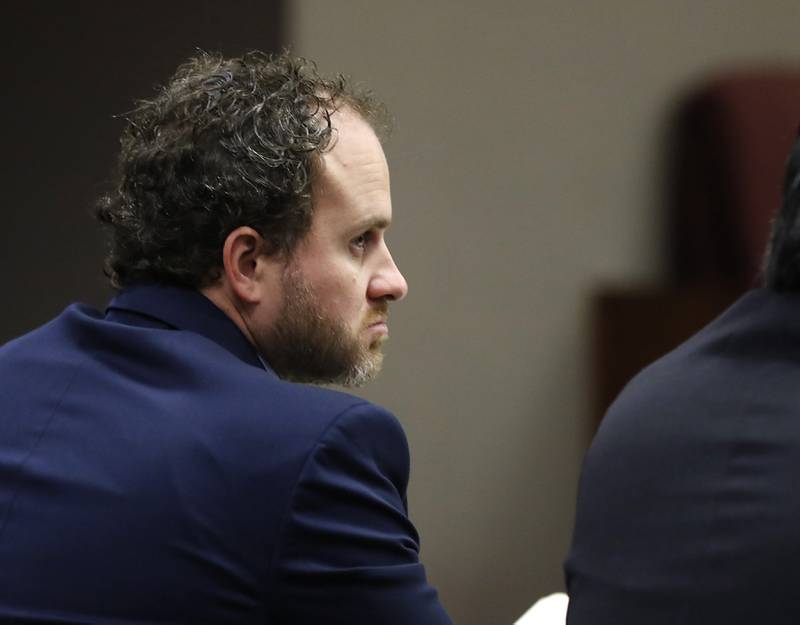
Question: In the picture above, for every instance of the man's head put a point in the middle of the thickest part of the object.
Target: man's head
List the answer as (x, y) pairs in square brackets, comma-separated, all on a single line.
[(265, 186), (782, 266), (320, 314)]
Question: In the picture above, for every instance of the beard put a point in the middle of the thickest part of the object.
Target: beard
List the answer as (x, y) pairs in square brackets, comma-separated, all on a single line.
[(307, 345)]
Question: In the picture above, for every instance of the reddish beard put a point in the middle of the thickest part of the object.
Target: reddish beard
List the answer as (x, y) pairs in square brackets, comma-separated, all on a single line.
[(307, 345)]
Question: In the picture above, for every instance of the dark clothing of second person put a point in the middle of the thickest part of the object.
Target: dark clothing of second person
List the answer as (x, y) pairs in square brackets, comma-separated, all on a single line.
[(689, 501)]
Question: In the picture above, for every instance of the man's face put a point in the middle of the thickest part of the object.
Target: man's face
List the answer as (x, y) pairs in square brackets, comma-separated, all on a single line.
[(336, 287)]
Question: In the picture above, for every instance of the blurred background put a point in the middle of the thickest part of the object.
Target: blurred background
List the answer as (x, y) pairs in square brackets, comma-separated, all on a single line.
[(577, 187)]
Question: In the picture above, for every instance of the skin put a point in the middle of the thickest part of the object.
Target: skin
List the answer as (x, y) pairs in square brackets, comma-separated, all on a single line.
[(343, 260)]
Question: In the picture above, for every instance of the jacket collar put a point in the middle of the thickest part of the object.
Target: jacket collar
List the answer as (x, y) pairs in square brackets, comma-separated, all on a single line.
[(183, 309)]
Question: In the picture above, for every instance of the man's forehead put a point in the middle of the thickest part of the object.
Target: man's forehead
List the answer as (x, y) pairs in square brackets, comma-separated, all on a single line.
[(353, 137), (355, 162)]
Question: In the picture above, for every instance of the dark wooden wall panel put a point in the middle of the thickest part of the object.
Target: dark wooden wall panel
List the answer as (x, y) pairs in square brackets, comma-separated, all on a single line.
[(67, 69)]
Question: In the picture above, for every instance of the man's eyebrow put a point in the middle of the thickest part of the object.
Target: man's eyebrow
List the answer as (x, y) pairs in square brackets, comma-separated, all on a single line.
[(368, 223)]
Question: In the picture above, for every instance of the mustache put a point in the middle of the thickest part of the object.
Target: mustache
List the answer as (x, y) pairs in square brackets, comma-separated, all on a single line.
[(379, 312)]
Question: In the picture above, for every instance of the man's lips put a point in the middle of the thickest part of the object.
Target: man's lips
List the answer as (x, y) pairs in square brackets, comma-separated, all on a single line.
[(379, 326)]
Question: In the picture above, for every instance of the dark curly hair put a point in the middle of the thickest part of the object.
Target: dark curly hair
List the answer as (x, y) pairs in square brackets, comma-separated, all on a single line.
[(227, 143), (782, 261)]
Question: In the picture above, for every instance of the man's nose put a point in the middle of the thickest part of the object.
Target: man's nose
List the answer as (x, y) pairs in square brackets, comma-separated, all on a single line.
[(388, 282)]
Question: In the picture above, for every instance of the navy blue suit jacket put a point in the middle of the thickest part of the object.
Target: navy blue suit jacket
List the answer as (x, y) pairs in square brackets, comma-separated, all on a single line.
[(153, 470), (689, 503)]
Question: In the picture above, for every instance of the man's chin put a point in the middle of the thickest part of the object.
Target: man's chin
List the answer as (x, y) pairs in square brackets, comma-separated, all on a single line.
[(365, 370), (376, 345), (359, 372)]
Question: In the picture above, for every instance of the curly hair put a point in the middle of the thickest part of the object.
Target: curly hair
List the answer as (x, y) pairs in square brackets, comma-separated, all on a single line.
[(782, 260), (227, 143)]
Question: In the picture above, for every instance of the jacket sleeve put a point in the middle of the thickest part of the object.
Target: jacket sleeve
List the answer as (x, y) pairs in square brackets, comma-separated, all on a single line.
[(348, 553)]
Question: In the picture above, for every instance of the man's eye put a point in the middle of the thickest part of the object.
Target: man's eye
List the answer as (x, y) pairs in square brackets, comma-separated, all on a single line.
[(360, 242)]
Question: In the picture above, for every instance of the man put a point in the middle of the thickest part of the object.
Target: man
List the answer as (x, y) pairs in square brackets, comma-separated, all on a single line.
[(689, 510), (156, 463)]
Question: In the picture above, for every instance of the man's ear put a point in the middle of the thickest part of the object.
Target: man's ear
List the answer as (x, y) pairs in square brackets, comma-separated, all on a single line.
[(244, 264)]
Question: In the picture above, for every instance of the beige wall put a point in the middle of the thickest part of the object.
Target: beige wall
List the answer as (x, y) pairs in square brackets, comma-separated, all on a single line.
[(525, 171)]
